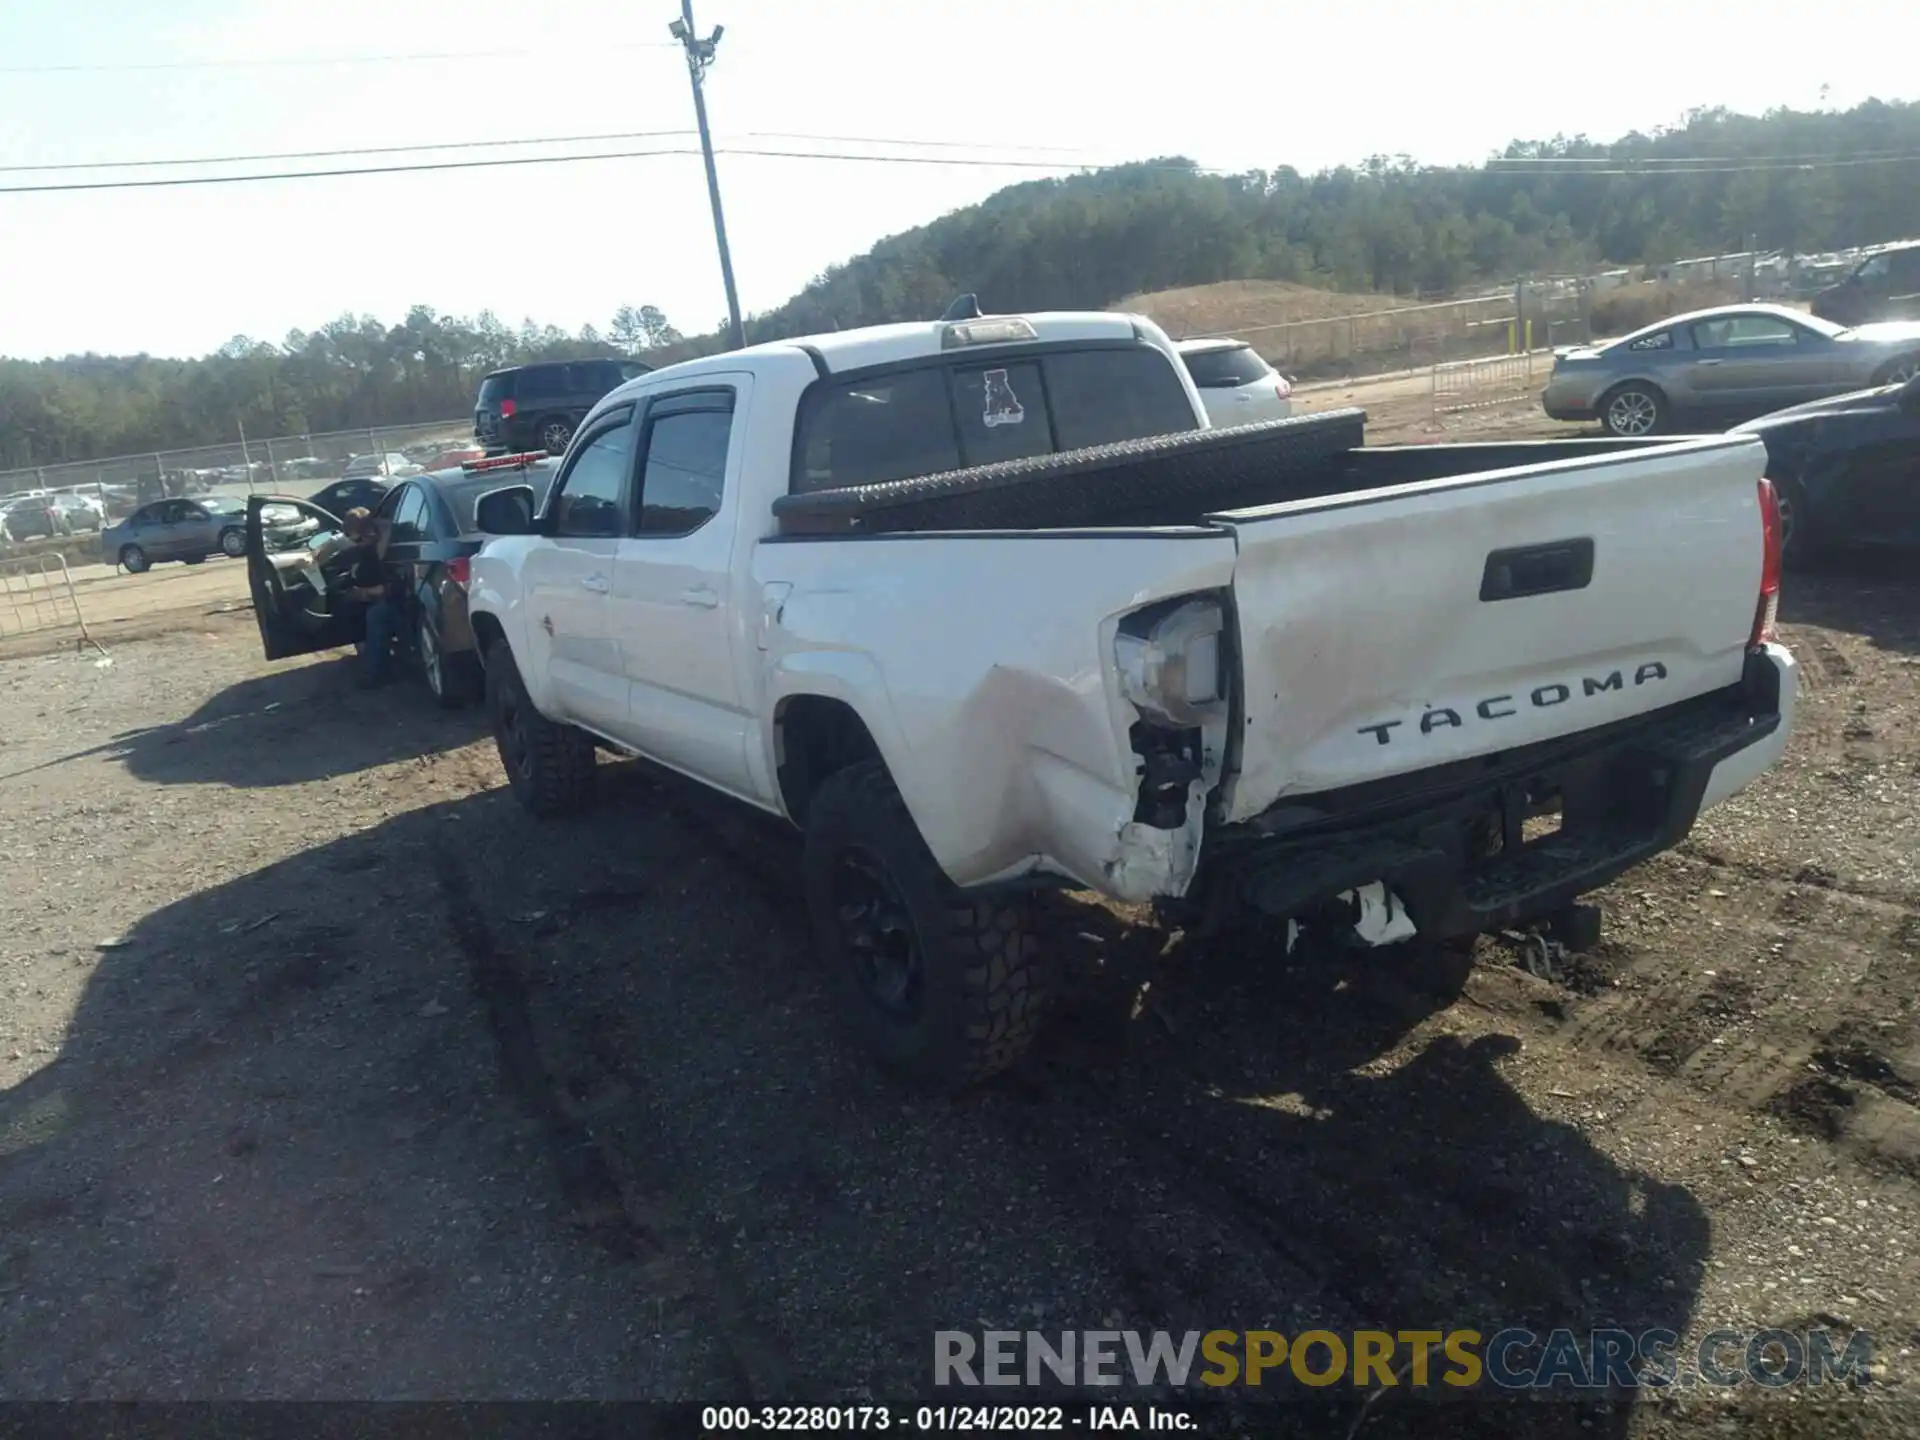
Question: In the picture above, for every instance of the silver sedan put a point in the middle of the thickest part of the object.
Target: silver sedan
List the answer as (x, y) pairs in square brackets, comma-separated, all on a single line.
[(1714, 367)]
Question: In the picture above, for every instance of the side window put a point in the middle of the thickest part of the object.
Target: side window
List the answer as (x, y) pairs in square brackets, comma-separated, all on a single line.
[(148, 515), (1904, 271), (1744, 331), (1660, 341), (686, 465), (595, 483), (410, 515), (1872, 270), (541, 382), (190, 511), (1102, 397), (866, 432)]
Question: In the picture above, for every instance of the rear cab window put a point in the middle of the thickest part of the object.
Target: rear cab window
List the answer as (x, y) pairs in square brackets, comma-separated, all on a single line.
[(1226, 369), (940, 415)]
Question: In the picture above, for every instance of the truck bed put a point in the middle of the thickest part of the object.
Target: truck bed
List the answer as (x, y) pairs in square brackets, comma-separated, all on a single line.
[(1172, 480)]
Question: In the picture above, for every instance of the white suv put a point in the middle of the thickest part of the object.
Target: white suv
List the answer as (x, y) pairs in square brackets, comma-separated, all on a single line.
[(1236, 385)]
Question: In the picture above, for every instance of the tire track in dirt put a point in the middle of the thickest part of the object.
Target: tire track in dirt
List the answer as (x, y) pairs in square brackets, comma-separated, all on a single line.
[(631, 1220)]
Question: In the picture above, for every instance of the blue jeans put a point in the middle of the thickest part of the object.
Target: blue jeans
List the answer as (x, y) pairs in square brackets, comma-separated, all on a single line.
[(383, 623)]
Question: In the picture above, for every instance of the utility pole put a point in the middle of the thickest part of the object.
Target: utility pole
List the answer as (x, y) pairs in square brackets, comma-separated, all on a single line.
[(699, 57)]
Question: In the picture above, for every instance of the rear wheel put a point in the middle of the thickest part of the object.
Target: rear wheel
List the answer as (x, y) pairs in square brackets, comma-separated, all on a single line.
[(943, 988), (549, 766), (554, 435), (452, 679), (1634, 410), (134, 560)]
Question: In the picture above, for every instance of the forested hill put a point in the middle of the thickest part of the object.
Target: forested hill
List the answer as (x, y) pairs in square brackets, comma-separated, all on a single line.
[(1806, 181), (1809, 181)]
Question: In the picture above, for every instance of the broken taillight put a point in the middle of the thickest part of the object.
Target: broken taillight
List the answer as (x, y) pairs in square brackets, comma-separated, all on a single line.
[(460, 570), (1767, 611)]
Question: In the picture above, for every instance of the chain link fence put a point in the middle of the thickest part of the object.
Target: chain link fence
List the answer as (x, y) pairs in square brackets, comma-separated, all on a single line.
[(280, 464)]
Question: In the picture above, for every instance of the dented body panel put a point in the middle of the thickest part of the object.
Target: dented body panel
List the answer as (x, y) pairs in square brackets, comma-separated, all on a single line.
[(981, 665)]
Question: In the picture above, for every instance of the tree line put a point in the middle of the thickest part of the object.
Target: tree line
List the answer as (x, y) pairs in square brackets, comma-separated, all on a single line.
[(1805, 181)]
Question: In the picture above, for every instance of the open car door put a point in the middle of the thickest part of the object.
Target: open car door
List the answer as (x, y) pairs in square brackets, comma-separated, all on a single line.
[(297, 571)]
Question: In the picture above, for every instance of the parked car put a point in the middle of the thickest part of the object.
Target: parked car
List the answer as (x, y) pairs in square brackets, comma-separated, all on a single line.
[(388, 466), (80, 512), (1848, 471), (297, 591), (191, 530), (1730, 363), (362, 493), (35, 515), (1883, 286), (1236, 385), (895, 600), (536, 407)]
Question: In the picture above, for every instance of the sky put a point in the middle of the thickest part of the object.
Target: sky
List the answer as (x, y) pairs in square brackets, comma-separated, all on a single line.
[(1013, 87)]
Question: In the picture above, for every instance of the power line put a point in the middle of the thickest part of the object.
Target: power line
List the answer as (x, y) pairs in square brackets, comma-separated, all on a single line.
[(1783, 168), (350, 150), (494, 163), (601, 139), (295, 61)]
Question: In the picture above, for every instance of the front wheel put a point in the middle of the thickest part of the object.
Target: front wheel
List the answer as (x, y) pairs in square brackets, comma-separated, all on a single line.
[(943, 988), (549, 766), (1634, 410), (233, 543), (134, 560), (1900, 371)]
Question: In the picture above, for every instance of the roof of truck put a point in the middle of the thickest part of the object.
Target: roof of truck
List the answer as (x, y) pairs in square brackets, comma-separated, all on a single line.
[(843, 350)]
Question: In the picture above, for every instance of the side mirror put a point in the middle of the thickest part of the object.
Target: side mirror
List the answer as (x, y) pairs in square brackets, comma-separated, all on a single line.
[(507, 511)]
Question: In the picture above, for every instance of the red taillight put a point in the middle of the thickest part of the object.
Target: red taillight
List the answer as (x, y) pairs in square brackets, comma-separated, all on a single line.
[(1767, 610), (507, 407), (460, 570)]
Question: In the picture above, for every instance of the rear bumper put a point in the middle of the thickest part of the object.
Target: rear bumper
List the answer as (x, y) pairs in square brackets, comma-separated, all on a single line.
[(1451, 843), (1561, 408)]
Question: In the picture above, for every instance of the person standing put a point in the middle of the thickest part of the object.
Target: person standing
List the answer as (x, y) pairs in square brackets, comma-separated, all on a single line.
[(372, 587)]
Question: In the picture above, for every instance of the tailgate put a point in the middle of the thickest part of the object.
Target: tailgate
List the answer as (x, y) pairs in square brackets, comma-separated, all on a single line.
[(1367, 649)]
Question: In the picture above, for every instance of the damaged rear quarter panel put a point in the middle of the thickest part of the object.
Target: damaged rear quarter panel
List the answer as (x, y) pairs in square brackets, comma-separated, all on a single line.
[(982, 664)]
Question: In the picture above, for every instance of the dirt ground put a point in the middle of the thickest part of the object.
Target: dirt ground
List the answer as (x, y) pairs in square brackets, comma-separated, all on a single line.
[(326, 1073)]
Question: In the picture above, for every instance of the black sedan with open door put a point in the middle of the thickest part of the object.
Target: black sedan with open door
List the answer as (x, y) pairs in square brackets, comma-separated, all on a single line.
[(300, 590)]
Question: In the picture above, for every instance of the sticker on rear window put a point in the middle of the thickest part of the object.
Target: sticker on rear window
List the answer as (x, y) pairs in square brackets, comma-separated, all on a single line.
[(1003, 407)]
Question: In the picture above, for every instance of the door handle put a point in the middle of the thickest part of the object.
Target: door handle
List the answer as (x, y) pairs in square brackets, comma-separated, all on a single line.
[(1708, 362), (598, 584), (701, 596)]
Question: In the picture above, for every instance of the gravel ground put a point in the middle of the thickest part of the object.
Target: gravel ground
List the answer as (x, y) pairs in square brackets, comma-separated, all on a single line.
[(325, 1073)]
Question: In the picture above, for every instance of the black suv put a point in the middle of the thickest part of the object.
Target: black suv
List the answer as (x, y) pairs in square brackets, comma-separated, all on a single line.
[(1884, 286), (535, 407)]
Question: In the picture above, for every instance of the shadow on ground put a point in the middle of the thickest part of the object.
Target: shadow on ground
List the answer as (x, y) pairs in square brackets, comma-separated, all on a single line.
[(490, 1107), (289, 727), (1872, 594)]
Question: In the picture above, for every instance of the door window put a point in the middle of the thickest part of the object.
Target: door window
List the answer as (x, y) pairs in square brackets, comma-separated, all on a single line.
[(1741, 332), (593, 490), (686, 466), (410, 516)]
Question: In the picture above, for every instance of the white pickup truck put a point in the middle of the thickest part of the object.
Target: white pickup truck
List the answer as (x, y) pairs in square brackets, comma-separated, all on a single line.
[(877, 582)]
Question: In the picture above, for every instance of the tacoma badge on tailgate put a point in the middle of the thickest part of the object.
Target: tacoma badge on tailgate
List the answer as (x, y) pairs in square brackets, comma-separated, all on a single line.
[(1499, 707)]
